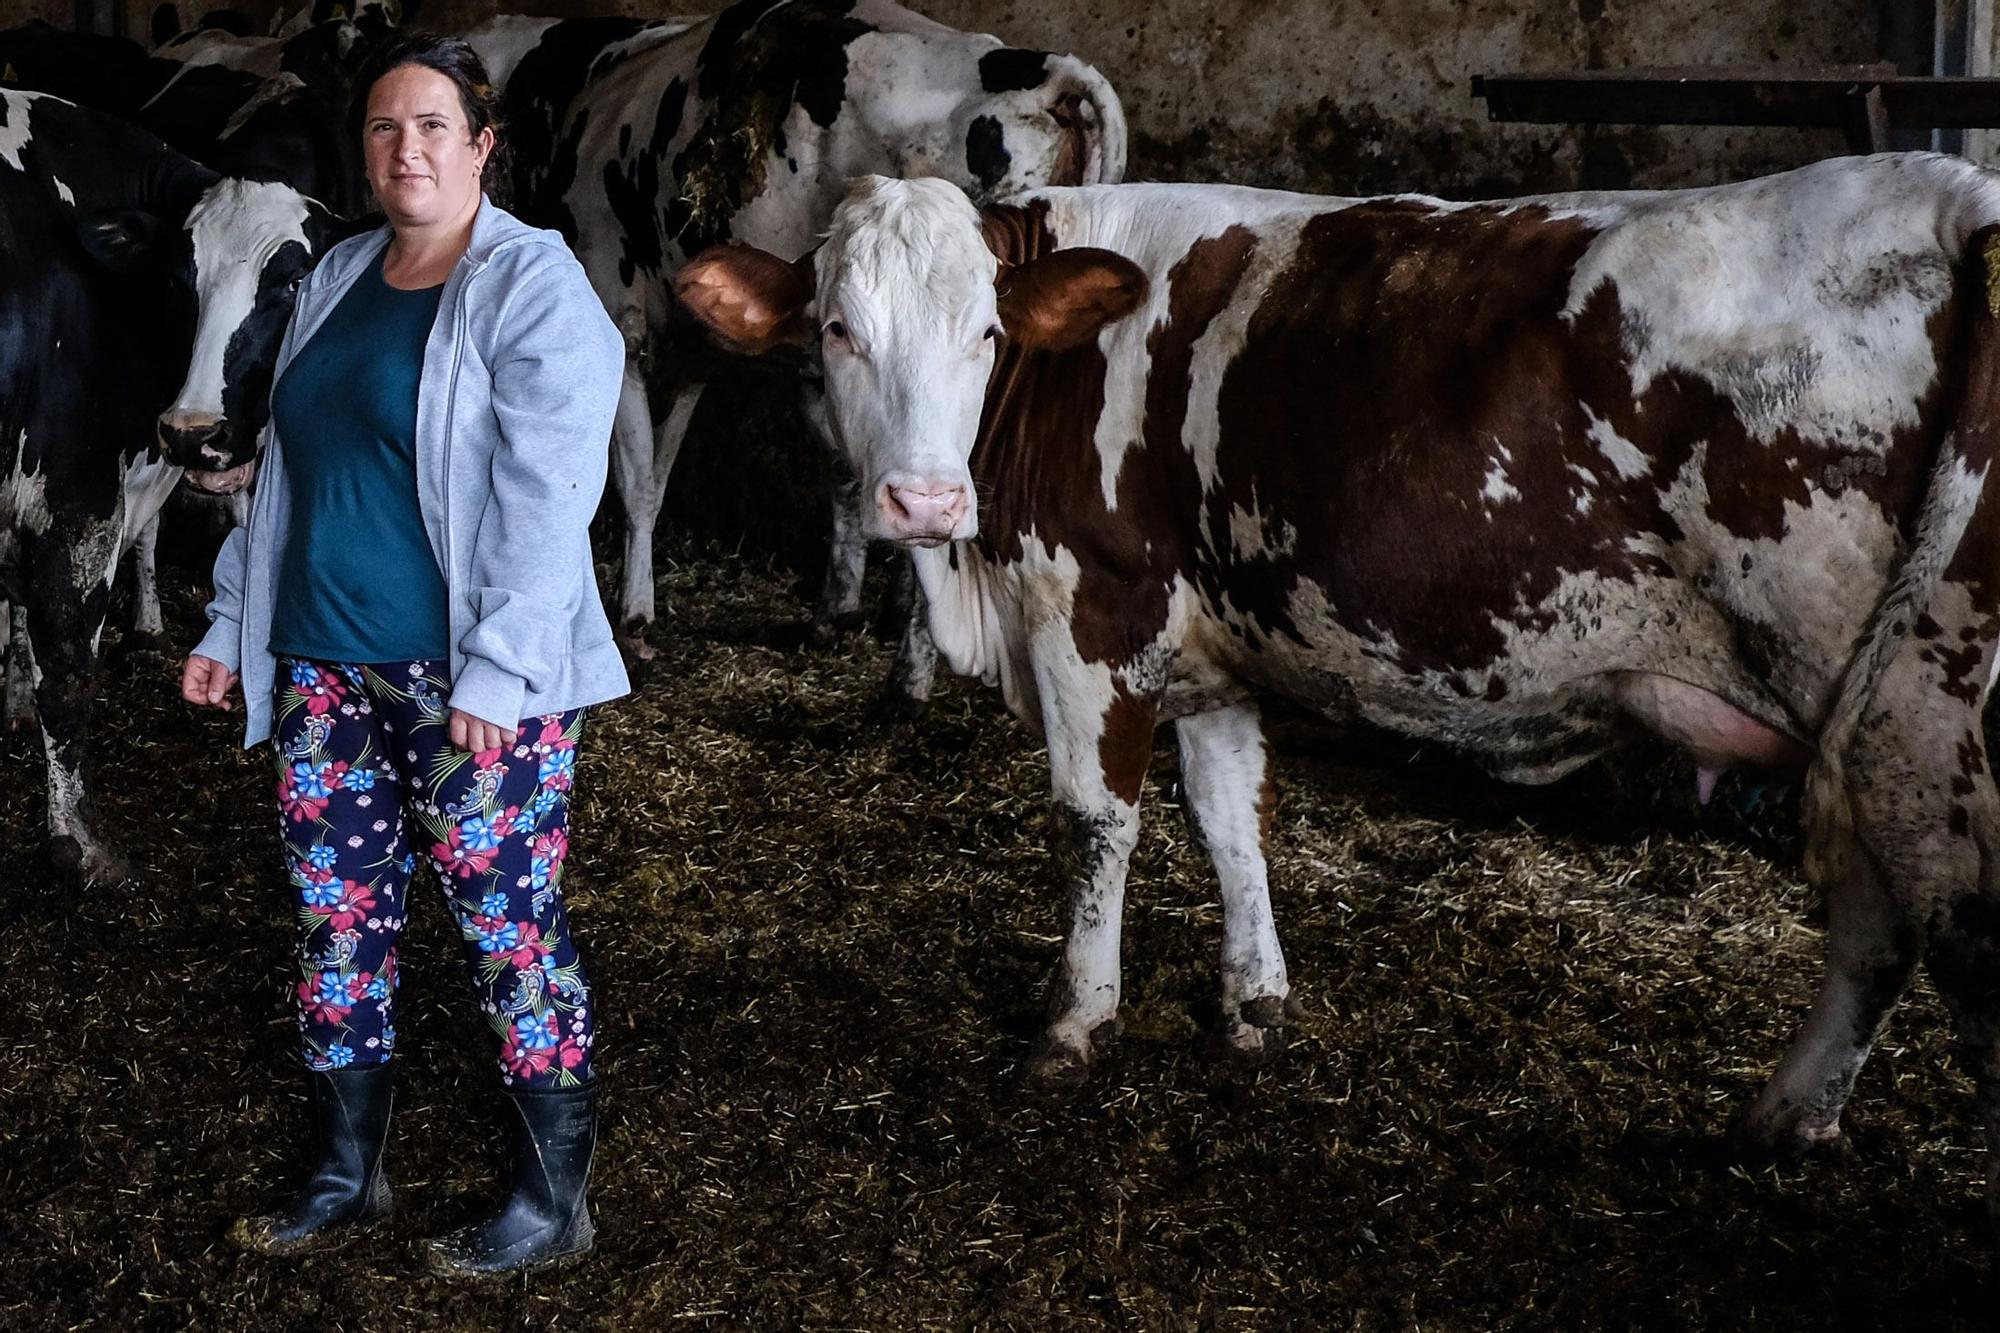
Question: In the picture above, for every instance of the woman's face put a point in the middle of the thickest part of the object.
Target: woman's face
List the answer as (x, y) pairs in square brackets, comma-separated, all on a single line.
[(423, 161)]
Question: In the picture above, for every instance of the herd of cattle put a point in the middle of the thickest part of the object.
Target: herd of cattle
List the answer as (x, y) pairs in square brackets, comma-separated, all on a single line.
[(1526, 476)]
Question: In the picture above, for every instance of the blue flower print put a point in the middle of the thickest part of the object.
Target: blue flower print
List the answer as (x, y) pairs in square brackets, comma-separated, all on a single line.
[(304, 673), (340, 1056), (493, 904), (558, 764), (532, 1033), (320, 856), (499, 936), (479, 834), (321, 894), (310, 780), (359, 779), (378, 988)]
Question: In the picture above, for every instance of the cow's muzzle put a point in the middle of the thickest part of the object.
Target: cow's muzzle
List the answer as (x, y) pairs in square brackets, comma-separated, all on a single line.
[(923, 513), (227, 482), (195, 441)]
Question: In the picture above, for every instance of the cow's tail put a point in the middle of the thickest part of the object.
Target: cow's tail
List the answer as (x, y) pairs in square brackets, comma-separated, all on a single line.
[(1087, 106), (1962, 475)]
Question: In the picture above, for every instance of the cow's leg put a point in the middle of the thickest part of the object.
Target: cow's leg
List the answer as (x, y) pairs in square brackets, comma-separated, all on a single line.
[(68, 590), (1872, 946), (839, 608), (1100, 739), (1898, 814), (149, 631), (1225, 771), (19, 707), (641, 463), (907, 691)]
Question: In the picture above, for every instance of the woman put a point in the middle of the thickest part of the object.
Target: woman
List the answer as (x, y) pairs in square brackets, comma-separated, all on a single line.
[(415, 618)]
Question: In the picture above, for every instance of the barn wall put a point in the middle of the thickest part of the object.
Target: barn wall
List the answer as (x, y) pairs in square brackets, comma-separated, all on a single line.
[(1372, 95), (1358, 95)]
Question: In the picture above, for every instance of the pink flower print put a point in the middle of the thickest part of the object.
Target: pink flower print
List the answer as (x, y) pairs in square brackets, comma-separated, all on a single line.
[(461, 860)]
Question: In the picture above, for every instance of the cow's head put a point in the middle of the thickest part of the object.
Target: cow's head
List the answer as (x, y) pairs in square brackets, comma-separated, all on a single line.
[(240, 256), (995, 120), (910, 304)]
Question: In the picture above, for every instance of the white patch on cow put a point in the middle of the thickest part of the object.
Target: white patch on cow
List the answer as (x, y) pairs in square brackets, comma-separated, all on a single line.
[(211, 46), (237, 226), (1586, 482), (148, 483), (273, 89), (1753, 288), (503, 40), (1621, 453), (15, 134), (24, 502), (1812, 581), (1498, 489), (63, 191), (1253, 534)]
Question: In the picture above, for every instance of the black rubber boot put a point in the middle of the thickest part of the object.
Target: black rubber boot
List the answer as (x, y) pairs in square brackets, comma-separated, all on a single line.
[(544, 1216), (348, 1186)]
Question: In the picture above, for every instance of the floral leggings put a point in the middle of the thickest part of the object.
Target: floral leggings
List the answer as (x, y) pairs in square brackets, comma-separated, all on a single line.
[(363, 752)]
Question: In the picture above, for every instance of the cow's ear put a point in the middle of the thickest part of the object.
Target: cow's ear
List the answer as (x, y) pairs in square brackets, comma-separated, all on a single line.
[(124, 242), (1062, 299), (748, 300)]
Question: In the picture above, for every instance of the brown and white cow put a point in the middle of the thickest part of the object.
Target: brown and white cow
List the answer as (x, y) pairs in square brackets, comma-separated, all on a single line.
[(1521, 476)]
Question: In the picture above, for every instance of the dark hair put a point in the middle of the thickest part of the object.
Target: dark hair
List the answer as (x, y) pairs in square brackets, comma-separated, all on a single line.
[(457, 61)]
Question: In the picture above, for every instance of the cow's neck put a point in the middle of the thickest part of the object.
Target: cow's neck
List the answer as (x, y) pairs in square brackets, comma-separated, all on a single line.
[(969, 596)]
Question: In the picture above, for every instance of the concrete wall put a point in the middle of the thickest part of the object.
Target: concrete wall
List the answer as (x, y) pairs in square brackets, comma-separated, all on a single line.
[(1360, 96)]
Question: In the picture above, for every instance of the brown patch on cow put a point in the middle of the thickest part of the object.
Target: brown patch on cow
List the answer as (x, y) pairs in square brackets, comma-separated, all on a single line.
[(1037, 469), (1073, 153), (1125, 747), (1432, 338)]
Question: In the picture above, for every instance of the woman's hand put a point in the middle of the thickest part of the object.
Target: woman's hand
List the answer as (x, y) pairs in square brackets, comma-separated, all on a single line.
[(475, 735), (206, 683)]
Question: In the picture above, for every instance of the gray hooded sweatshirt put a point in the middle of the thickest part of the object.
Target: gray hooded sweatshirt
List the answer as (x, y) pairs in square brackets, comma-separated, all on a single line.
[(520, 382)]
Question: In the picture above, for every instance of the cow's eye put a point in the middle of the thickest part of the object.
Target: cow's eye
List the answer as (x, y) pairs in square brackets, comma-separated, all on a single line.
[(296, 283), (992, 332), (835, 330)]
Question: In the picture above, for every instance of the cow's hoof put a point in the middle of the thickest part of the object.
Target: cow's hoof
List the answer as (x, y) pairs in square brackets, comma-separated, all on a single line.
[(1272, 1011), (1060, 1063), (1784, 1138), (80, 865), (634, 644), (825, 631), (1248, 1046), (893, 706)]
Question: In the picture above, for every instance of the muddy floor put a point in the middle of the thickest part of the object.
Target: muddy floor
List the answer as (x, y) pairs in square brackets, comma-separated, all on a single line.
[(819, 947)]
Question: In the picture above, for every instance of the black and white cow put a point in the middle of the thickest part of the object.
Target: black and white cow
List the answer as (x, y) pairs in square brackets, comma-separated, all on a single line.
[(289, 127), (645, 142), (131, 279)]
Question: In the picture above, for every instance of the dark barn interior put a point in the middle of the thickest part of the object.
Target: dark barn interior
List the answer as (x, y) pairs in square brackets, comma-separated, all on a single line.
[(822, 935)]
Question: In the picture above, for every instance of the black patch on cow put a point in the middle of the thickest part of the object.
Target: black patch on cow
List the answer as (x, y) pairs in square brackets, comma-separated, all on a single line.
[(1011, 70), (761, 59), (536, 109), (632, 188), (986, 151)]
